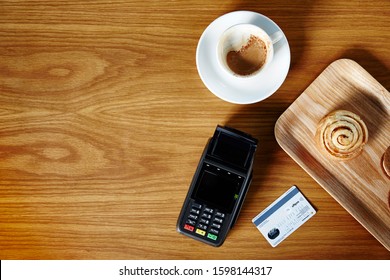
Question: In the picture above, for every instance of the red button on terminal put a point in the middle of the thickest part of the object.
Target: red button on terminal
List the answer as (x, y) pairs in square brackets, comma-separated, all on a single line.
[(188, 227)]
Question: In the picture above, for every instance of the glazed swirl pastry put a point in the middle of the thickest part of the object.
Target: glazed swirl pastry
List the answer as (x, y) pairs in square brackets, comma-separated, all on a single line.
[(342, 134)]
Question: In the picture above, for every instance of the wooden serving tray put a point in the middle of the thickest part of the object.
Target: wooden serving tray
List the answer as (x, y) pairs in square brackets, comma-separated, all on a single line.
[(360, 184)]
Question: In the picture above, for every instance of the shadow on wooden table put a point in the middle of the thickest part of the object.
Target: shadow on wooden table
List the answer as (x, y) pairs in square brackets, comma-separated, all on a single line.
[(259, 120), (370, 63), (364, 103)]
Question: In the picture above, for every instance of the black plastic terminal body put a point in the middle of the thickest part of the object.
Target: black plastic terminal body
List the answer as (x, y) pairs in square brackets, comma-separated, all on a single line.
[(219, 186)]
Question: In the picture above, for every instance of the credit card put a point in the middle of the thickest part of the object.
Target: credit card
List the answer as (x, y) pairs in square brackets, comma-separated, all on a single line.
[(284, 216)]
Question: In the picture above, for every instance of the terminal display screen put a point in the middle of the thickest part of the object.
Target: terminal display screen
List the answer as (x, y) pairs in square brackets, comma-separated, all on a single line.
[(218, 188)]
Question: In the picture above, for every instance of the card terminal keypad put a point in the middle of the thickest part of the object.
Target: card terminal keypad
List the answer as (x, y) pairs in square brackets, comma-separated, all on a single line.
[(204, 221)]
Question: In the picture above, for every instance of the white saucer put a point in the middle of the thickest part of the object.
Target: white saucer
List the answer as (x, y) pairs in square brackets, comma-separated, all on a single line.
[(241, 90)]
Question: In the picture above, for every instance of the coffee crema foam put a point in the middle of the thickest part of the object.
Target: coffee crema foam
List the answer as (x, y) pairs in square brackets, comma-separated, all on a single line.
[(249, 59)]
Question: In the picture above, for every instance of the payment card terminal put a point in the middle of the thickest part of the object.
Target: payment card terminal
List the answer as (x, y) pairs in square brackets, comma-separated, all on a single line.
[(219, 186)]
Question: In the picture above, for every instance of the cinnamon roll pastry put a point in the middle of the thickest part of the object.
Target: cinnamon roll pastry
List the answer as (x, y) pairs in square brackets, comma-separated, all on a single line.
[(342, 134)]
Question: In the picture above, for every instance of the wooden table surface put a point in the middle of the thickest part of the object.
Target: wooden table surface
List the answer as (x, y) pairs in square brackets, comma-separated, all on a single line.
[(103, 118)]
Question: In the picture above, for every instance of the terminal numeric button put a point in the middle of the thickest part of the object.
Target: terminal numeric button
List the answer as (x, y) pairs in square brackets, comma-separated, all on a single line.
[(196, 205), (220, 215), (203, 221), (218, 220), (194, 217), (214, 225), (206, 216), (190, 222), (201, 226), (209, 210), (194, 211)]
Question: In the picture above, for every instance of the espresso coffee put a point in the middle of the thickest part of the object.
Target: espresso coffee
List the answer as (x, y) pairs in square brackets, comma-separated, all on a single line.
[(249, 59)]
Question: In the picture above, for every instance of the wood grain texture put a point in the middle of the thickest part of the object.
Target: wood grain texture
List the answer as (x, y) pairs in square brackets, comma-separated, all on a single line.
[(103, 118), (359, 184)]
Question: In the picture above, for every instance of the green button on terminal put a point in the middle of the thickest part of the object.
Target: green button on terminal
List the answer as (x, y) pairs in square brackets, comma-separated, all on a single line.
[(212, 236)]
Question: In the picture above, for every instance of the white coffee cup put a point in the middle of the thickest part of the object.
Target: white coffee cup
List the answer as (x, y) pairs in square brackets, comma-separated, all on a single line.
[(244, 50)]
